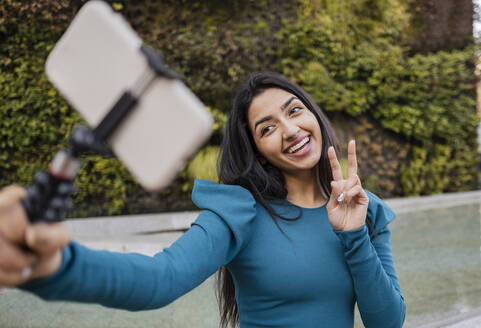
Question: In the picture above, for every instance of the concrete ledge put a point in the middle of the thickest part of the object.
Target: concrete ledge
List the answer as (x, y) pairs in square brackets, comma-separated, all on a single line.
[(404, 205), (142, 224)]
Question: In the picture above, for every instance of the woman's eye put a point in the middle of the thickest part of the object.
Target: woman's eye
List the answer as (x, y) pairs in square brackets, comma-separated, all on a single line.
[(266, 130), (295, 110)]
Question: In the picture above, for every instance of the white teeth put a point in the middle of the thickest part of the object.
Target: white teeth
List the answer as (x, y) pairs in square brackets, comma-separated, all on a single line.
[(299, 145)]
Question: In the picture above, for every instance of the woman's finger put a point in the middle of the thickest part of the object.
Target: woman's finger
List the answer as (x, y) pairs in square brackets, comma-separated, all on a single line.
[(335, 166), (46, 238), (14, 278), (13, 219), (354, 192), (351, 159), (13, 191), (12, 258), (336, 191), (351, 182)]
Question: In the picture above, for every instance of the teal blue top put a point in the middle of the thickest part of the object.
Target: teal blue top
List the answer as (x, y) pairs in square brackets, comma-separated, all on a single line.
[(312, 280)]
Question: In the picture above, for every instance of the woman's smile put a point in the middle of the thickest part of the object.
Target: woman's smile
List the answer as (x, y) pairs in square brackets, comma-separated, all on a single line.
[(300, 147)]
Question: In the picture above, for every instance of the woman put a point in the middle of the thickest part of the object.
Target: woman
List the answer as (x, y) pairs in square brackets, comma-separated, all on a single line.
[(297, 243)]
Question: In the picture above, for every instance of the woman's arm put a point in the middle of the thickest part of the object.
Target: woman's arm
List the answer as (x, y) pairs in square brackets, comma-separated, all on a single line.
[(137, 282), (376, 285), (377, 290)]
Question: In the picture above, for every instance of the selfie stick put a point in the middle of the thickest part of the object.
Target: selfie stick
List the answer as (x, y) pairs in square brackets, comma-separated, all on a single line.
[(50, 196)]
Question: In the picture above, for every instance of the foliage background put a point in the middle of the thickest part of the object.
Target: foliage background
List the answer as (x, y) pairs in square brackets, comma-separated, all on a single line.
[(406, 94)]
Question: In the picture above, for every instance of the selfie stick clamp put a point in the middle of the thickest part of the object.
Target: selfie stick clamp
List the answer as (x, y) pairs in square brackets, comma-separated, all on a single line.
[(49, 197)]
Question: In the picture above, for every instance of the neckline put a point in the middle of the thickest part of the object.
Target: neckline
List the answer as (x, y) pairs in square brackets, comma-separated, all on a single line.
[(307, 208)]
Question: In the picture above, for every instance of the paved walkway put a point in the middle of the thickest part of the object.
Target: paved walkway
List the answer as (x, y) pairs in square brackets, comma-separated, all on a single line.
[(471, 319)]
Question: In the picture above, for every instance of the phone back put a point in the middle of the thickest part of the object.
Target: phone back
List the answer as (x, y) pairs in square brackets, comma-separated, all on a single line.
[(95, 61)]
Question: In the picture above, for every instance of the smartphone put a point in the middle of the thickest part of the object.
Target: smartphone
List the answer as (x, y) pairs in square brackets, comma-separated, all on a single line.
[(95, 61)]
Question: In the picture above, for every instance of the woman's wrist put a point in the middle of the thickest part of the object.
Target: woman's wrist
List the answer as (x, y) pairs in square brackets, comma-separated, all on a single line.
[(351, 227), (350, 237)]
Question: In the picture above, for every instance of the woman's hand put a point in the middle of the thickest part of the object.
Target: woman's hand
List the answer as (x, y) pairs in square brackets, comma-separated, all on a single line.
[(46, 240), (347, 206)]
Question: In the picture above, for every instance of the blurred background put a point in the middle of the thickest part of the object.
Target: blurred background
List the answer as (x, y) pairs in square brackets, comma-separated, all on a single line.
[(398, 76)]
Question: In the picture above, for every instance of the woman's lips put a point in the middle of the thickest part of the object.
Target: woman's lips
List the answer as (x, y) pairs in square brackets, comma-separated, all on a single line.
[(299, 140), (306, 149)]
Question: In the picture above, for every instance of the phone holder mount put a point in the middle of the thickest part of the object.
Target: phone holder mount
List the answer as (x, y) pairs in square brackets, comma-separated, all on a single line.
[(49, 197)]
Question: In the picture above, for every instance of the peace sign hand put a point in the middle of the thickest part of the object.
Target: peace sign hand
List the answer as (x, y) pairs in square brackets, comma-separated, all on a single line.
[(347, 206)]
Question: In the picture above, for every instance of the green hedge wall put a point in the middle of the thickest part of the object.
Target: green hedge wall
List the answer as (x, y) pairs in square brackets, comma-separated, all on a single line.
[(349, 55), (34, 120), (360, 67)]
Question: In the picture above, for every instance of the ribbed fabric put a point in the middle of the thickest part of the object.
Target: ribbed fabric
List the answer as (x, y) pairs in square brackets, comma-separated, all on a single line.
[(311, 280)]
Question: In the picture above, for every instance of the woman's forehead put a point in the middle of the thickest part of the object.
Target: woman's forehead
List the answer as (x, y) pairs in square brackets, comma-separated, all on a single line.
[(268, 101)]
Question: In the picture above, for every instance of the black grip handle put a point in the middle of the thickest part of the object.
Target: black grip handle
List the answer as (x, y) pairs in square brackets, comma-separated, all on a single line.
[(49, 198)]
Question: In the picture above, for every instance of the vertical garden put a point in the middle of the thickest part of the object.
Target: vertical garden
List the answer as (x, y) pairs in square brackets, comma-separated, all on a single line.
[(412, 110)]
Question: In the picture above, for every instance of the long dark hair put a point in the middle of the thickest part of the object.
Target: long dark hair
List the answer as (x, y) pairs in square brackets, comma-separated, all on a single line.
[(239, 164)]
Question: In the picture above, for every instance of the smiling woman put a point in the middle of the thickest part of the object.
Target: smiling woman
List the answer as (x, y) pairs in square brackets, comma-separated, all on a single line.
[(286, 151), (296, 243)]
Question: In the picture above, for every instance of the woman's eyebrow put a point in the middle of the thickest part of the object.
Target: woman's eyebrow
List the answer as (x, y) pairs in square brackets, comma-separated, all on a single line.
[(288, 102), (267, 118), (262, 120)]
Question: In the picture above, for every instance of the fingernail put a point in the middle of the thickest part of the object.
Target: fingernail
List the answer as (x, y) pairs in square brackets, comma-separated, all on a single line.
[(340, 198), (26, 273)]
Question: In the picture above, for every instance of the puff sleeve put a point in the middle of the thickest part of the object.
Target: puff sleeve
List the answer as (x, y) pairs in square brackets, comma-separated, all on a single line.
[(368, 254), (137, 282)]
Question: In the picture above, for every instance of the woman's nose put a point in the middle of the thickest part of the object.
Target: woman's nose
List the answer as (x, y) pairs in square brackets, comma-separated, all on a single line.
[(291, 131)]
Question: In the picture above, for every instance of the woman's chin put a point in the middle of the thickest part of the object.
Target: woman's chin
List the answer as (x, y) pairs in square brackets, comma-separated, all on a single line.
[(300, 167)]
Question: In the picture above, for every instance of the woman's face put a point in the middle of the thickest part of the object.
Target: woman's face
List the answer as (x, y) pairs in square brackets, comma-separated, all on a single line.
[(285, 131)]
